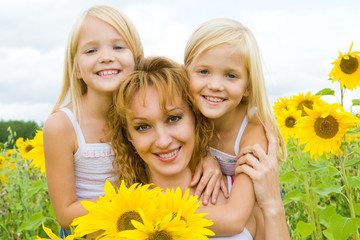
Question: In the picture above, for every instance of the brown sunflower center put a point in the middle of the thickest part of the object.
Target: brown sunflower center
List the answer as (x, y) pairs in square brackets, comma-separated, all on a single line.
[(160, 235), (124, 221), (290, 122), (326, 127), (305, 103), (350, 65), (28, 148)]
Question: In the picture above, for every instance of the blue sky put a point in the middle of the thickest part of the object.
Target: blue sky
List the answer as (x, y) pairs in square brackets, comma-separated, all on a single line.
[(298, 41)]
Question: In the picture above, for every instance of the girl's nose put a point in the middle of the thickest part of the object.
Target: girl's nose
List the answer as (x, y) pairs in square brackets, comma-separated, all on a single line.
[(215, 84), (106, 58), (163, 137)]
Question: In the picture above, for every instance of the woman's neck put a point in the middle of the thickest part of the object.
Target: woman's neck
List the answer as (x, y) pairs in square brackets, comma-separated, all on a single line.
[(181, 180)]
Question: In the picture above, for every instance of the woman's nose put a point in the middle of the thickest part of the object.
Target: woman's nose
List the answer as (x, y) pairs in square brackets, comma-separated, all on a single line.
[(163, 137)]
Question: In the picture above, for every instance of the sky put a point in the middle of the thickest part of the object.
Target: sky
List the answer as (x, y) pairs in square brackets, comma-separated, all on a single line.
[(298, 41)]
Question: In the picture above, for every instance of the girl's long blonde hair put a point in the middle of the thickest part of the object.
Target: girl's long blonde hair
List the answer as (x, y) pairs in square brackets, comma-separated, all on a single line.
[(170, 80), (74, 87), (221, 31)]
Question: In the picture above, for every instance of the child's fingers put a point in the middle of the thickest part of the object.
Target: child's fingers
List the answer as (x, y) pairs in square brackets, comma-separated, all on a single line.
[(211, 187), (224, 188), (215, 192), (196, 177), (201, 186)]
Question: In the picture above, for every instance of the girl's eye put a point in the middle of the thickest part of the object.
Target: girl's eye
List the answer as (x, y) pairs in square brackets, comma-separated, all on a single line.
[(90, 51), (174, 119), (142, 127), (230, 75), (118, 47), (204, 71)]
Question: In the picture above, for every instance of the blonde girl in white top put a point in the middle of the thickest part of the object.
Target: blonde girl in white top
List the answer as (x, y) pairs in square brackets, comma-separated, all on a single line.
[(226, 80), (103, 48)]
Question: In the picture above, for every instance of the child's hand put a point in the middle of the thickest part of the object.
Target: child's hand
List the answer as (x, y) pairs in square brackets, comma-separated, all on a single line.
[(211, 178)]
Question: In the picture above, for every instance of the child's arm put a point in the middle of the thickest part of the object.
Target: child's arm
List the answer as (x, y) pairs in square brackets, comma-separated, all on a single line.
[(59, 147), (263, 170), (211, 178), (231, 218)]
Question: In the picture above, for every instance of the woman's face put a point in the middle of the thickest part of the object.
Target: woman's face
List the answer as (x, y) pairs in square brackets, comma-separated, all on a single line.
[(163, 139)]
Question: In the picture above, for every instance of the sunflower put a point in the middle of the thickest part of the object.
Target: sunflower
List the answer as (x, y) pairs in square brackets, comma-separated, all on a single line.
[(347, 69), (301, 101), (9, 153), (323, 129), (2, 161), (25, 148), (113, 213), (3, 179), (11, 164), (37, 152), (280, 104), (287, 121), (52, 235), (173, 202), (19, 142), (167, 228)]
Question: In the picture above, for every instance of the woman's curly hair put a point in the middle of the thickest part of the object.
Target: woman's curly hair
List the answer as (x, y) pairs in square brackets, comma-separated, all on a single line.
[(169, 79)]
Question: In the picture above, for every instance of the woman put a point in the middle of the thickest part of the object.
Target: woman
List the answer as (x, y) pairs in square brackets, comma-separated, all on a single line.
[(160, 137)]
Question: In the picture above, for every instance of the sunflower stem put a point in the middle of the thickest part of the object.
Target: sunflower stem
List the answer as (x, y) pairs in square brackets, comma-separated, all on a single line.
[(310, 205), (342, 90), (317, 218), (348, 191)]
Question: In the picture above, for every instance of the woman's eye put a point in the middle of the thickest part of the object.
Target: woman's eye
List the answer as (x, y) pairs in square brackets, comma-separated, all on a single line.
[(142, 127), (204, 71), (174, 119)]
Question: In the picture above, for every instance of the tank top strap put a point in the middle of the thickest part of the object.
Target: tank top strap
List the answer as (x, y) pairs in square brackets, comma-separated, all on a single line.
[(240, 133), (77, 129), (230, 180), (242, 129)]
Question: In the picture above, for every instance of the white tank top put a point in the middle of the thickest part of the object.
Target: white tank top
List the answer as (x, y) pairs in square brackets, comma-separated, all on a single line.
[(92, 164), (226, 161), (245, 235)]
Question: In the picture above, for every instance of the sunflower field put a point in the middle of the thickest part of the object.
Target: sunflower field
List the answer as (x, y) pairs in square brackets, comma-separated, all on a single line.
[(320, 179)]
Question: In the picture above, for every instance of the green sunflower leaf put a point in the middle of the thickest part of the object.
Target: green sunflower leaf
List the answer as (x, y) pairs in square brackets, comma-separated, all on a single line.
[(305, 229), (33, 222), (343, 227), (355, 102), (352, 162), (325, 91)]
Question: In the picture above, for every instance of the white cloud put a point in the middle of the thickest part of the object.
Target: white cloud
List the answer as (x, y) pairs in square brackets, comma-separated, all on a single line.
[(30, 75), (28, 111)]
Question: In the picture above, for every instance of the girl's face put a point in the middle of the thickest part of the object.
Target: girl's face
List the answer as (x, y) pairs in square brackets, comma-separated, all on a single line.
[(219, 80), (163, 139), (103, 58)]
